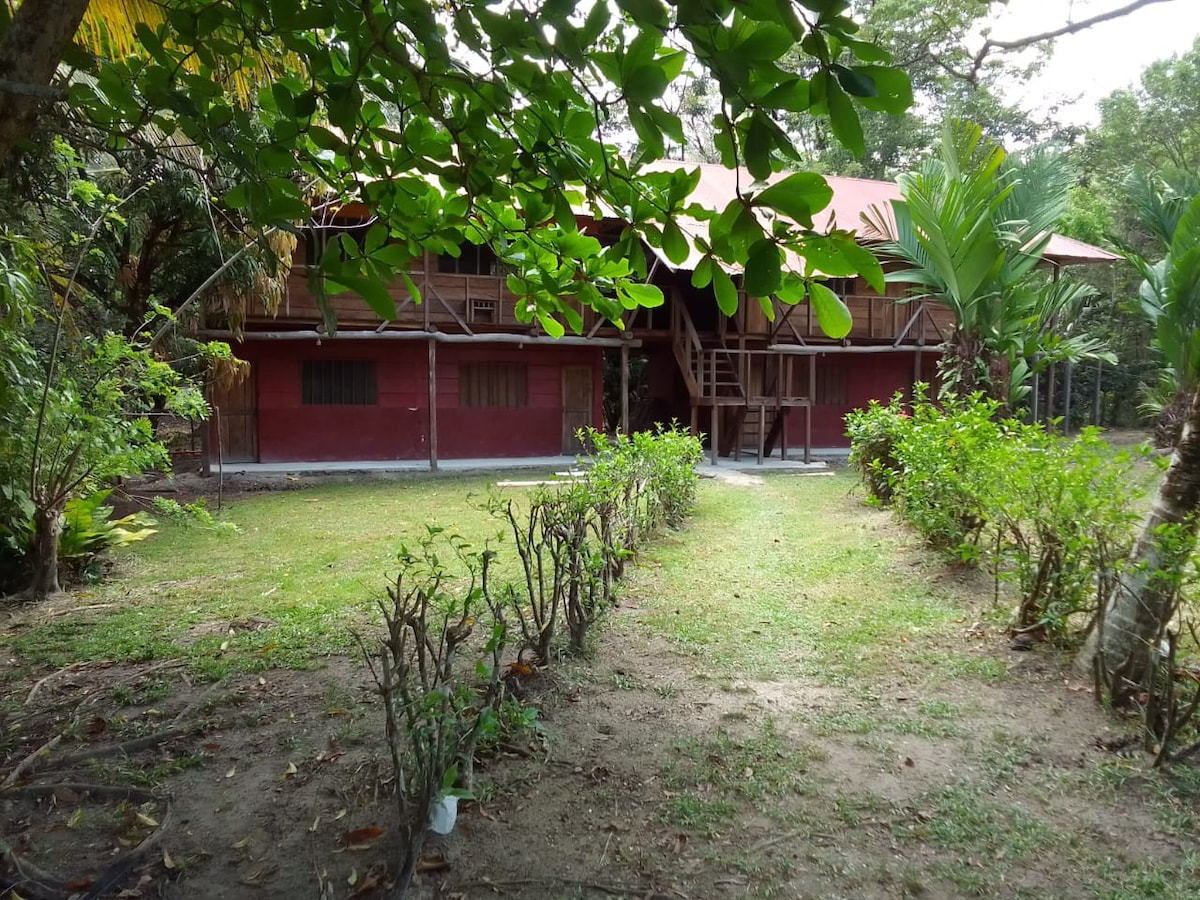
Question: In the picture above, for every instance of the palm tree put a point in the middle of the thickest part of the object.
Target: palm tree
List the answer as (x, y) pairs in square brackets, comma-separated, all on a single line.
[(1141, 607), (1160, 202), (973, 226)]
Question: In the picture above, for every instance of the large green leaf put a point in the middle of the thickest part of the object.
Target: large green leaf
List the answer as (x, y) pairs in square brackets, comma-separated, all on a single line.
[(764, 269), (832, 314), (798, 196), (726, 291)]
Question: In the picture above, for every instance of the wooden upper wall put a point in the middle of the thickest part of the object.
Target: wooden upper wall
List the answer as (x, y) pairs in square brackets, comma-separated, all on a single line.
[(483, 304)]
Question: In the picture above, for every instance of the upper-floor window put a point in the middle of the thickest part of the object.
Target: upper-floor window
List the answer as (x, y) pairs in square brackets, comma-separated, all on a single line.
[(338, 382), (843, 287), (476, 259)]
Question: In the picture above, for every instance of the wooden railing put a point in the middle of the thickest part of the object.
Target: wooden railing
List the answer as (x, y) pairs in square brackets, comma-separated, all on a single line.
[(702, 366), (689, 351)]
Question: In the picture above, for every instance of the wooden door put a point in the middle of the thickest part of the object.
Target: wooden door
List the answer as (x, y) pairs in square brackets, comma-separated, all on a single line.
[(577, 405), (235, 419)]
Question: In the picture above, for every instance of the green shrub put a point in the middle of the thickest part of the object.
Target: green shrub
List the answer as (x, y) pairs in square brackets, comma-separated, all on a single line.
[(575, 538), (89, 530), (1053, 516), (945, 461), (1062, 519), (873, 434)]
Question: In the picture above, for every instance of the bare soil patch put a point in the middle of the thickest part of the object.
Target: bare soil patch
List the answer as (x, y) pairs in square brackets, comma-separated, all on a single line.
[(645, 782)]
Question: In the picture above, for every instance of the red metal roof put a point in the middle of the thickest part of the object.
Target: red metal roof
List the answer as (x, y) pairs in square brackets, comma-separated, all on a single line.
[(852, 198)]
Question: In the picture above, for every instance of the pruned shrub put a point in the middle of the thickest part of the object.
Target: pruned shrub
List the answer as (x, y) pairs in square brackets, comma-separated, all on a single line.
[(945, 461), (574, 539), (441, 690)]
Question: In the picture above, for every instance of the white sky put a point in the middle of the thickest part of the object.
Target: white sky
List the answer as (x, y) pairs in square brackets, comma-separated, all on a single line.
[(1092, 63)]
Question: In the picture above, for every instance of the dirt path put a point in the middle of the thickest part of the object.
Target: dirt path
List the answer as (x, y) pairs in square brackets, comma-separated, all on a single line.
[(657, 777)]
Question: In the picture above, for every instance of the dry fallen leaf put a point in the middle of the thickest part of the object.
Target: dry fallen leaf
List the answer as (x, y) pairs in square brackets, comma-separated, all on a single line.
[(168, 863), (147, 820), (240, 844), (433, 864), (232, 771), (313, 827), (352, 880), (361, 838), (341, 814)]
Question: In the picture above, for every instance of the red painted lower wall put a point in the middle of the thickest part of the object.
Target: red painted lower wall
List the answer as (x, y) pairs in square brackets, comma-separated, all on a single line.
[(397, 425), (869, 376)]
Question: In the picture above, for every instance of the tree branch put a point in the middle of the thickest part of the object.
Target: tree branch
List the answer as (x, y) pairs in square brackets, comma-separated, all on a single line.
[(1070, 28)]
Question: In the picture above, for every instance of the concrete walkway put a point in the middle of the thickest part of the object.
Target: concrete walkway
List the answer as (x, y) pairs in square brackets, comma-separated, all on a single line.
[(546, 464)]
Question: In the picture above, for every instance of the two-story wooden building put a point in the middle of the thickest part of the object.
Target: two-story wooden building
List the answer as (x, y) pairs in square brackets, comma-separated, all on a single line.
[(457, 376)]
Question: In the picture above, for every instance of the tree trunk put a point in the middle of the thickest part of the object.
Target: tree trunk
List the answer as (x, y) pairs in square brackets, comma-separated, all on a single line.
[(30, 51), (43, 551), (1143, 602)]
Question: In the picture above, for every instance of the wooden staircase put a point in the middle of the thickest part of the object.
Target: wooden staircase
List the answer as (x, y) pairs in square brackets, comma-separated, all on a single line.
[(718, 377)]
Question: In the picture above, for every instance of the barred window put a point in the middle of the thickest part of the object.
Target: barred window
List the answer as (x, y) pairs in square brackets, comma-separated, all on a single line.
[(338, 382), (494, 385), (831, 386), (843, 287), (473, 259)]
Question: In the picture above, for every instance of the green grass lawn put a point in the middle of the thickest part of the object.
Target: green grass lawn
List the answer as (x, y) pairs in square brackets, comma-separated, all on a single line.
[(314, 562), (790, 577), (766, 579)]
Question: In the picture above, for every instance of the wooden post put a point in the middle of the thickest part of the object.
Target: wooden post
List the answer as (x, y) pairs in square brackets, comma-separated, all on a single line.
[(1051, 386), (695, 420), (1035, 397), (1097, 397), (712, 438), (433, 431), (425, 290), (783, 411), (762, 431), (808, 410), (624, 389), (1067, 372)]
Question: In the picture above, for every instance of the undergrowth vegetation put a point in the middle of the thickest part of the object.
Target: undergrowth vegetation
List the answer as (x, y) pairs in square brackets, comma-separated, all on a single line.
[(1053, 516)]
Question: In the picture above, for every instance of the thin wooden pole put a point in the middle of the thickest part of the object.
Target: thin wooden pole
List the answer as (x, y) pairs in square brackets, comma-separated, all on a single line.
[(712, 438), (762, 431), (433, 429), (1068, 370), (1036, 397), (624, 389), (1051, 387), (1097, 397), (808, 410)]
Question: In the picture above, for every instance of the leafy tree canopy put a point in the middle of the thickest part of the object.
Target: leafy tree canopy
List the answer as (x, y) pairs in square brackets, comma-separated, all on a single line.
[(480, 122)]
